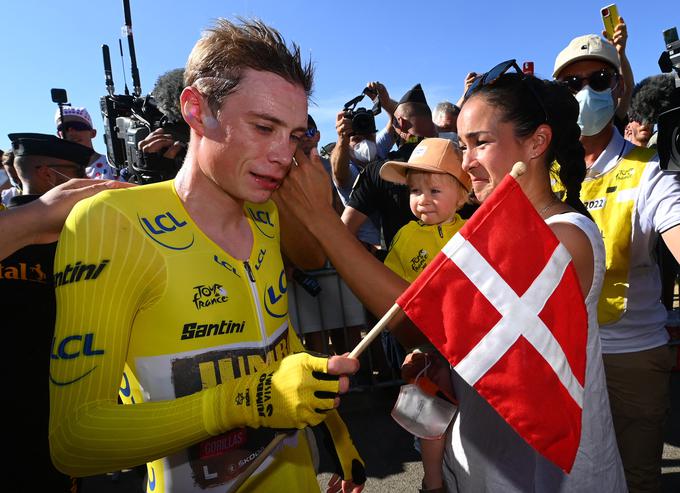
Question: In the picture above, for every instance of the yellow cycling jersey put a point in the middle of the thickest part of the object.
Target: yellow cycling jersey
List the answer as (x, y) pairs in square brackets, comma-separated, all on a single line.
[(175, 315), (610, 199), (416, 244)]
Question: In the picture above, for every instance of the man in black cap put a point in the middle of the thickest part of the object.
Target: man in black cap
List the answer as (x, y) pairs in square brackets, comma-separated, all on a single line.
[(43, 161), (413, 118), (26, 288)]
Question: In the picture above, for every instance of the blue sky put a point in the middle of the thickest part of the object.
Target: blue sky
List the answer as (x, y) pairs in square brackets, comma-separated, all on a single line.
[(58, 44)]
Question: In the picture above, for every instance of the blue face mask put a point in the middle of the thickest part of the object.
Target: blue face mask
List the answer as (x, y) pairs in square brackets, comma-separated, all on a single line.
[(596, 110)]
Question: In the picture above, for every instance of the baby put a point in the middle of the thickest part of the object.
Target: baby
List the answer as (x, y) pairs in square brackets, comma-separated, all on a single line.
[(438, 187)]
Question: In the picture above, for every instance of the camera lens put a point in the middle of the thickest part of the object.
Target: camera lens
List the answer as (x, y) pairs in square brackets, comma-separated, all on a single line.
[(363, 122)]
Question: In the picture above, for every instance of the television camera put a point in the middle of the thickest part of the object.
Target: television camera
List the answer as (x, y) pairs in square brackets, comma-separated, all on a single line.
[(668, 141), (129, 118)]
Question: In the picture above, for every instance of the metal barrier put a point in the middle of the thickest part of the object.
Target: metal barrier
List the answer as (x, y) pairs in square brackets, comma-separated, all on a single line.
[(334, 312)]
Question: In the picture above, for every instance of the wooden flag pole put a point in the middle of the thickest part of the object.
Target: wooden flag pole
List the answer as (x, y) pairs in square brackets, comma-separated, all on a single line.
[(356, 352), (375, 331)]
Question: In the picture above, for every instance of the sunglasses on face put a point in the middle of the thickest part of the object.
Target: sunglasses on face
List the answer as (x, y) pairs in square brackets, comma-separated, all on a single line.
[(310, 132), (79, 126), (492, 76), (599, 81), (401, 123)]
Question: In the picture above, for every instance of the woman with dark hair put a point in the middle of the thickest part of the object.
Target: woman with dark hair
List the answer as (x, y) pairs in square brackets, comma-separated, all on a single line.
[(506, 118), (510, 117)]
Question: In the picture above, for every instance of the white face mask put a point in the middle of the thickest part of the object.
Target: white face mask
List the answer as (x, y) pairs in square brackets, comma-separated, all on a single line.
[(423, 415), (596, 109), (364, 152)]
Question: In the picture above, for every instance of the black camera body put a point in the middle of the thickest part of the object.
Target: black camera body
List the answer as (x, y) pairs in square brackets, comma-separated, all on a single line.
[(127, 121), (363, 120), (668, 141)]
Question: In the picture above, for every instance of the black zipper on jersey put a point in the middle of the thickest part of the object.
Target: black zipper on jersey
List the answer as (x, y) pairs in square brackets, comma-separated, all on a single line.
[(258, 308), (249, 271)]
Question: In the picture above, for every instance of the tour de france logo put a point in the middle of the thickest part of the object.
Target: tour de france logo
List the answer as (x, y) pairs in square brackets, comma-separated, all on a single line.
[(206, 295), (418, 262)]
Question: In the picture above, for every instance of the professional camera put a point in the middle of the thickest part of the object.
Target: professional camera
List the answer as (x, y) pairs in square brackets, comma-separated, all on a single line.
[(668, 141), (363, 120), (130, 118)]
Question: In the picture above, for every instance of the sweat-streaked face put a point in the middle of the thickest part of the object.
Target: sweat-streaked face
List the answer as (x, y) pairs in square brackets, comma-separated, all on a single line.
[(248, 151)]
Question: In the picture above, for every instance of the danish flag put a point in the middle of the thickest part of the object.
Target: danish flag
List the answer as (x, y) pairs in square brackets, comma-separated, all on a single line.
[(503, 304)]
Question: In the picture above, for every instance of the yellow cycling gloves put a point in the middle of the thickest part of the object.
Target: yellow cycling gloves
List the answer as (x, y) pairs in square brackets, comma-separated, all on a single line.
[(296, 394)]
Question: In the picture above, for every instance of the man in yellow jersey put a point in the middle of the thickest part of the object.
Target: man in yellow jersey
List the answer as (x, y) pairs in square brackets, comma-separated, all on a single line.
[(192, 307), (633, 202)]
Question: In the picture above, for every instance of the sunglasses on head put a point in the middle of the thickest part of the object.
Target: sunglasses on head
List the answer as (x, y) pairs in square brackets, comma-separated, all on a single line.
[(79, 126), (310, 132), (492, 76), (599, 81)]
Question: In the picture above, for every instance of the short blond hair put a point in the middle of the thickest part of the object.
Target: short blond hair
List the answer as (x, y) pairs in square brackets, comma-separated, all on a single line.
[(216, 63)]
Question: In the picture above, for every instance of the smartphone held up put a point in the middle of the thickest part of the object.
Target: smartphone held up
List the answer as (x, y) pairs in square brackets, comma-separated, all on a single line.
[(610, 19)]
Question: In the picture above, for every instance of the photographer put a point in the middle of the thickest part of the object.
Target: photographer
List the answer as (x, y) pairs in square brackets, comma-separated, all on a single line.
[(354, 150)]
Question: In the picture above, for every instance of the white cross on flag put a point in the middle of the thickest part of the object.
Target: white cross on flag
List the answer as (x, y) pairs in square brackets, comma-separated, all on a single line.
[(502, 303)]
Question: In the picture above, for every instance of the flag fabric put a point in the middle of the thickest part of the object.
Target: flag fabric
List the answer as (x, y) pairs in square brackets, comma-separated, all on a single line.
[(503, 304)]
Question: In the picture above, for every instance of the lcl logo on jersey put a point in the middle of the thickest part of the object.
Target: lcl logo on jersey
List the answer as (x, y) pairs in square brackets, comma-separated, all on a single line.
[(166, 230), (72, 347), (226, 265), (275, 303), (260, 258), (263, 222)]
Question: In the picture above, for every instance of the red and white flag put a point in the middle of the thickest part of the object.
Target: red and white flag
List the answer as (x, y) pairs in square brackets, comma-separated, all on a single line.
[(503, 304)]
